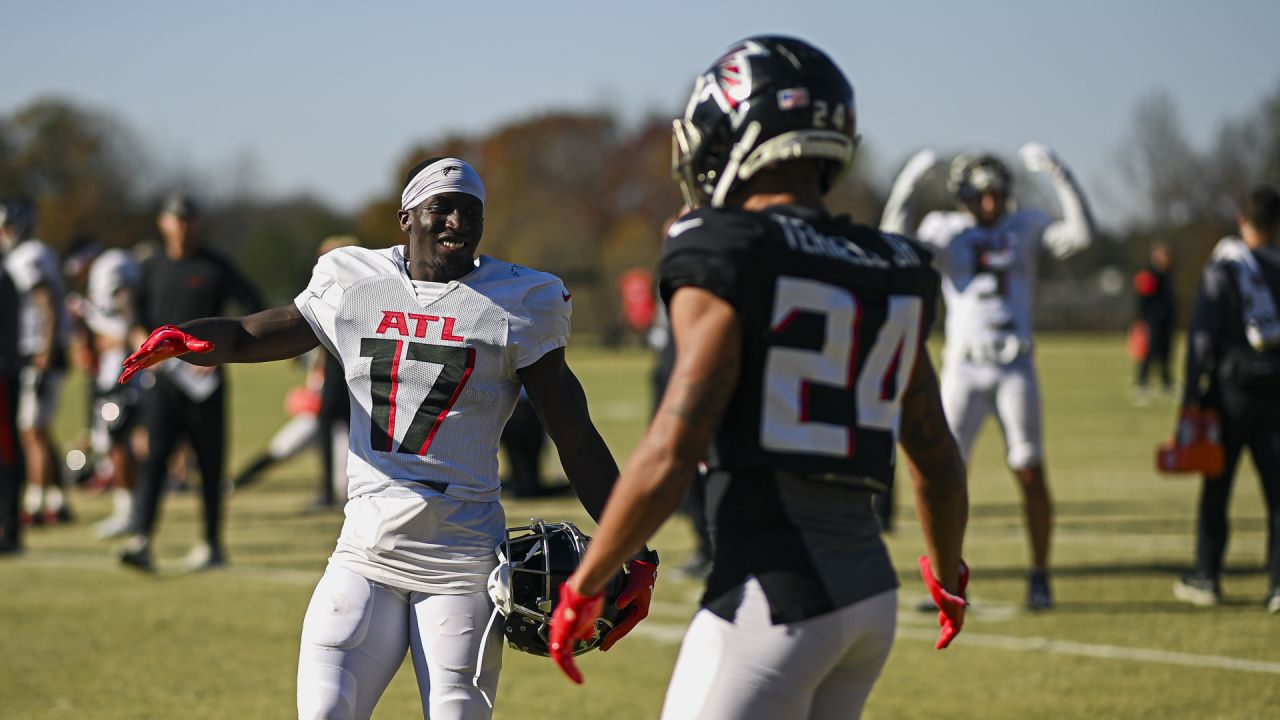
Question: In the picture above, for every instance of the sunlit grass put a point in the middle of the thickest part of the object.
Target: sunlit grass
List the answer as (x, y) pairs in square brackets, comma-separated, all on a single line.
[(83, 638)]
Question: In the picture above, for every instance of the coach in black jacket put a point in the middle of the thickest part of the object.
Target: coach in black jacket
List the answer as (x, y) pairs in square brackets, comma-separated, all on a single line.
[(1234, 345), (182, 282)]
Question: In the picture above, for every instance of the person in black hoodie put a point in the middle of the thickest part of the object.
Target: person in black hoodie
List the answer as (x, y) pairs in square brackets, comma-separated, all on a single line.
[(1233, 365)]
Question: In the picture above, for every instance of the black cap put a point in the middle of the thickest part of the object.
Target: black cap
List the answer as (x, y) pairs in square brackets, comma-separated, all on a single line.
[(181, 205)]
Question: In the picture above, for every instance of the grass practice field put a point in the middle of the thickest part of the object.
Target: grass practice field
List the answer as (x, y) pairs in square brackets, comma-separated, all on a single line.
[(82, 637)]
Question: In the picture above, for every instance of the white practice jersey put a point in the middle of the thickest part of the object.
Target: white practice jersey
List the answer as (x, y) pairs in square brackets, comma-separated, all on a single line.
[(112, 271), (432, 383), (32, 264), (988, 275)]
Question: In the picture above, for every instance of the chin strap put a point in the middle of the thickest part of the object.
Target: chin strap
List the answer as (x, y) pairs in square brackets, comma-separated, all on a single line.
[(484, 644)]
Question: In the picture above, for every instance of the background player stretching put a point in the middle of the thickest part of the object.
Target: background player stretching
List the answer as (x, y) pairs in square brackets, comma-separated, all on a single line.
[(987, 257)]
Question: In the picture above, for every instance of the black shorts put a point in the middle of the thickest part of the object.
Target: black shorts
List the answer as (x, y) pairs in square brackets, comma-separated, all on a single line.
[(117, 411)]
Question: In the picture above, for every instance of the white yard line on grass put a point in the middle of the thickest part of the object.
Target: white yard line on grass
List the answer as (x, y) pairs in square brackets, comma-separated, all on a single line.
[(1113, 652), (671, 633)]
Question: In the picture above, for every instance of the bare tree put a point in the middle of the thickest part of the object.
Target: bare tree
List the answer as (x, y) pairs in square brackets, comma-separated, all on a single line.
[(1160, 161)]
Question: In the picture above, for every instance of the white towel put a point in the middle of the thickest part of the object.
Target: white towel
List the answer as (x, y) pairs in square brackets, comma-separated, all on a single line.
[(1261, 322)]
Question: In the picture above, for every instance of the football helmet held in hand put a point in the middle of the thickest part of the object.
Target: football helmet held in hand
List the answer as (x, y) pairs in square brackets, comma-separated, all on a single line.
[(533, 562)]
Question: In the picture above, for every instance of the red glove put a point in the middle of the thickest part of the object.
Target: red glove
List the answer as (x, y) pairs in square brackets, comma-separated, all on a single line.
[(164, 342), (573, 620), (634, 600), (950, 607)]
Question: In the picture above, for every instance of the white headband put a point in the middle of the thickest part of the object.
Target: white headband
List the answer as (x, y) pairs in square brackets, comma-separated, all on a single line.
[(442, 176)]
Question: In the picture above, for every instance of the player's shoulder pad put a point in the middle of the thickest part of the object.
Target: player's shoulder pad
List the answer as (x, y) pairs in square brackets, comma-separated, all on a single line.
[(714, 230), (30, 252), (514, 286), (1032, 218), (347, 265), (116, 256), (1217, 276)]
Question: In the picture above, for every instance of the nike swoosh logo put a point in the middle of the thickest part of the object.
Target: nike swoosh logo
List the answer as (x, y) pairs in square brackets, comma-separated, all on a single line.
[(566, 296), (679, 227)]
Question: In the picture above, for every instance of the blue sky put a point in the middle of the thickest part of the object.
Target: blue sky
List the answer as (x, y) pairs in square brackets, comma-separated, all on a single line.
[(325, 97)]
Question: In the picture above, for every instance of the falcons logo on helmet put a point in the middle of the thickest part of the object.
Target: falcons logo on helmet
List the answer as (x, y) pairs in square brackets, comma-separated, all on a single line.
[(729, 81)]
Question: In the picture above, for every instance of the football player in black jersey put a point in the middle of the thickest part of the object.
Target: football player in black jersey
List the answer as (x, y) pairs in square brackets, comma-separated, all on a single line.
[(800, 360)]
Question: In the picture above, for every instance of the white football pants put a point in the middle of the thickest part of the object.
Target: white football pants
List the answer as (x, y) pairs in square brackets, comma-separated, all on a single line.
[(355, 636), (972, 391), (821, 668)]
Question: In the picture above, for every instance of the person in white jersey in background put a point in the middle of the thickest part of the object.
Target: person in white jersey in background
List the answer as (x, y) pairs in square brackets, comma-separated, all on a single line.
[(987, 254), (436, 342), (43, 334), (109, 277)]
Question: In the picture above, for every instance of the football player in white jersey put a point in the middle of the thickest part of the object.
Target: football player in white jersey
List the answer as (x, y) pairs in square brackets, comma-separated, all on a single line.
[(109, 278), (436, 342), (43, 332), (987, 254)]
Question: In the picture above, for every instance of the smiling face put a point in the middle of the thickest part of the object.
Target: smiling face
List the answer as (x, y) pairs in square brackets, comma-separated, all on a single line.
[(444, 233)]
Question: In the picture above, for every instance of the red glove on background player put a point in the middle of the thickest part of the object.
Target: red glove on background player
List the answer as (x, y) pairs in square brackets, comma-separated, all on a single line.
[(950, 607), (165, 342), (574, 619), (633, 601)]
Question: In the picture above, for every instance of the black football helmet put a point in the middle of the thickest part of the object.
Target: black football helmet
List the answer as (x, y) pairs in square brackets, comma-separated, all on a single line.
[(973, 174), (19, 215), (768, 99), (533, 562)]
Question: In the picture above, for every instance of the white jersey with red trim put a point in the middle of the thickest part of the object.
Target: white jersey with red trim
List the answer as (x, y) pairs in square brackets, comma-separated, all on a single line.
[(32, 264), (112, 272), (988, 276), (432, 377), (432, 383)]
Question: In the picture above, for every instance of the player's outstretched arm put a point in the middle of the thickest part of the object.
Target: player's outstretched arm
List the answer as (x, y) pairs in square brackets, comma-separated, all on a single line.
[(1076, 230), (897, 209), (274, 334), (942, 494), (708, 335)]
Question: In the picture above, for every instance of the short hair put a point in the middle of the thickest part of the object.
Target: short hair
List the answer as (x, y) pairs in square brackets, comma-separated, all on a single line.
[(181, 205), (1260, 207)]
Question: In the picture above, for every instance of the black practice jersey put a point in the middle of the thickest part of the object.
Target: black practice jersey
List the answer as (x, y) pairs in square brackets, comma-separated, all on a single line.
[(834, 316)]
